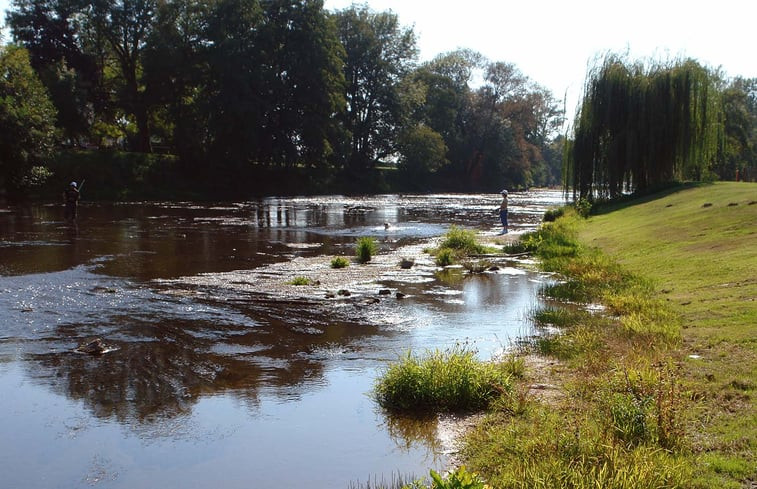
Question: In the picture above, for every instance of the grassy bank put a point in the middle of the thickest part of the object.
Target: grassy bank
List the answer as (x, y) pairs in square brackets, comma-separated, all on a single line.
[(657, 391)]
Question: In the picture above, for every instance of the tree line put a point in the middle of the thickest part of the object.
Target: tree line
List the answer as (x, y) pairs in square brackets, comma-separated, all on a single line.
[(236, 89), (642, 126)]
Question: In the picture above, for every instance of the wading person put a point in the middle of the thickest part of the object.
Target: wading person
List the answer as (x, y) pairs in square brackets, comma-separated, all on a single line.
[(503, 211), (70, 202)]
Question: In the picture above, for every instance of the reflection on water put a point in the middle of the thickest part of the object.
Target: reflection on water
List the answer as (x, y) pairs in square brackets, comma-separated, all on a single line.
[(217, 379)]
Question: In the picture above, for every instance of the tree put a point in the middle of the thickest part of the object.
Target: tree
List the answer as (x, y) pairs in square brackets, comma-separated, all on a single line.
[(423, 152), (27, 120), (639, 127), (738, 158), (51, 31), (176, 76), (379, 54), (126, 24)]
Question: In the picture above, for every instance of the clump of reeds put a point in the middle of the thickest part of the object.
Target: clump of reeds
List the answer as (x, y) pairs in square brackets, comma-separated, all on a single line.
[(339, 262), (462, 240), (365, 249), (458, 243), (301, 281), (450, 380)]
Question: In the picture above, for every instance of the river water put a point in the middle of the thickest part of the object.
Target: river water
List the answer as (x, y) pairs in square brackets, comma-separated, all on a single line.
[(220, 373)]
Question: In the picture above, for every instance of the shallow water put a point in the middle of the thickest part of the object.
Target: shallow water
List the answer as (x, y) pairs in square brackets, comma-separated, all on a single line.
[(217, 376)]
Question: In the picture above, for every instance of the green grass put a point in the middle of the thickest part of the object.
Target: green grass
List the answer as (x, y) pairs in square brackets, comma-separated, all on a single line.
[(339, 262), (636, 409), (451, 380), (702, 261), (463, 241), (457, 244), (365, 248), (300, 281)]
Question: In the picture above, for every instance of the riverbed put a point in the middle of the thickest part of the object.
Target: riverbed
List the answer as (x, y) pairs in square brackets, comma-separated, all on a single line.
[(219, 371)]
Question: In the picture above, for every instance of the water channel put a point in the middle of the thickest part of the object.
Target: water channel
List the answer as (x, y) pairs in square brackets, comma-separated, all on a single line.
[(221, 374)]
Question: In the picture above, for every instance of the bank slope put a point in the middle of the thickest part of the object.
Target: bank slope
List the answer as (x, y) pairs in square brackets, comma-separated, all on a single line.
[(699, 244)]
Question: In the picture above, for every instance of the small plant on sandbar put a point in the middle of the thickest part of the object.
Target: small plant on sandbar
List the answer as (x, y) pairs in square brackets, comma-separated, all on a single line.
[(450, 380), (366, 248), (300, 281), (339, 262)]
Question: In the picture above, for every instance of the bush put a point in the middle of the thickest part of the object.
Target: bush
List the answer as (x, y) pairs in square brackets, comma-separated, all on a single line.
[(553, 214), (300, 281), (583, 207), (366, 248), (339, 262), (445, 257), (452, 380), (462, 240)]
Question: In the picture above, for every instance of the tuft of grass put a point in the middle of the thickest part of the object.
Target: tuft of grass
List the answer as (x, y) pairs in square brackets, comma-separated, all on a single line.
[(440, 381), (339, 262), (445, 257), (640, 410), (551, 215), (566, 447), (300, 281), (463, 241), (366, 247)]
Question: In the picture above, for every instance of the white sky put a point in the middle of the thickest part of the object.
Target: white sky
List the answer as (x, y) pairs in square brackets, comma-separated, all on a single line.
[(553, 41)]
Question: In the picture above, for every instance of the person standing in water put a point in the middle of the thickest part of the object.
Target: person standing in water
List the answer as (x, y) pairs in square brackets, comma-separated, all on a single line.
[(70, 201), (503, 211)]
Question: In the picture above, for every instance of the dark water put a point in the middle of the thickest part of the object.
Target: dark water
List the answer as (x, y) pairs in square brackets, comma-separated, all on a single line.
[(217, 378)]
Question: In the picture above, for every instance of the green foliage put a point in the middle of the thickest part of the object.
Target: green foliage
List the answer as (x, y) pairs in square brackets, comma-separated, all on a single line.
[(638, 127), (552, 214), (339, 262), (379, 52), (549, 447), (423, 152), (462, 240), (459, 479), (451, 380), (300, 281), (583, 207), (445, 257), (27, 120), (365, 249), (115, 175)]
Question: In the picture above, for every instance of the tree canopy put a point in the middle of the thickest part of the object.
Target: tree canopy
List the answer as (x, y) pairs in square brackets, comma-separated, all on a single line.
[(27, 120), (241, 88), (643, 126)]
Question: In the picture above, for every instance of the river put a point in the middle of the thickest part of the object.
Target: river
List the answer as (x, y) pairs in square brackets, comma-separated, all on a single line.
[(222, 374)]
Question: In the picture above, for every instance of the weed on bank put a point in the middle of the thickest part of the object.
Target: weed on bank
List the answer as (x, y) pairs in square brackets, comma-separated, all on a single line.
[(617, 424)]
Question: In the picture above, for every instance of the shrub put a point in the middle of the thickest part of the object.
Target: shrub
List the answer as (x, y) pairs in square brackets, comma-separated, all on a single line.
[(452, 380), (366, 248), (552, 214), (462, 240), (339, 262), (445, 257), (300, 281), (583, 207)]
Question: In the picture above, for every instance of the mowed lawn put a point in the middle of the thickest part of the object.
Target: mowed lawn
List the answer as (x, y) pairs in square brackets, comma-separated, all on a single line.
[(699, 245)]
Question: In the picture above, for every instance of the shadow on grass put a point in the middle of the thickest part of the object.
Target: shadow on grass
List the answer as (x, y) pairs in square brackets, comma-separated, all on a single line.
[(649, 195)]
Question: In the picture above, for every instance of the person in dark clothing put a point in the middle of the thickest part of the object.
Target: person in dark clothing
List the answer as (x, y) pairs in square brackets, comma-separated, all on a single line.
[(70, 201), (503, 211)]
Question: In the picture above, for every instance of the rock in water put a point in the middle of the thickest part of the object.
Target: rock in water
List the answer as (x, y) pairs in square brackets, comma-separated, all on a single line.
[(94, 347)]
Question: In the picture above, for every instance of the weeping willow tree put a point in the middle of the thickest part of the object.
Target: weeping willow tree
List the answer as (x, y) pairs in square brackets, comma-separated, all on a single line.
[(641, 126)]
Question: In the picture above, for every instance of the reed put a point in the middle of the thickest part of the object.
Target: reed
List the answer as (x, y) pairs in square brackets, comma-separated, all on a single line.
[(339, 262), (450, 380), (462, 240), (365, 249)]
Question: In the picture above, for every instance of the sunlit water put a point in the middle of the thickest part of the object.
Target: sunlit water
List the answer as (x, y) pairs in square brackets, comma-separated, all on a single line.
[(215, 379)]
